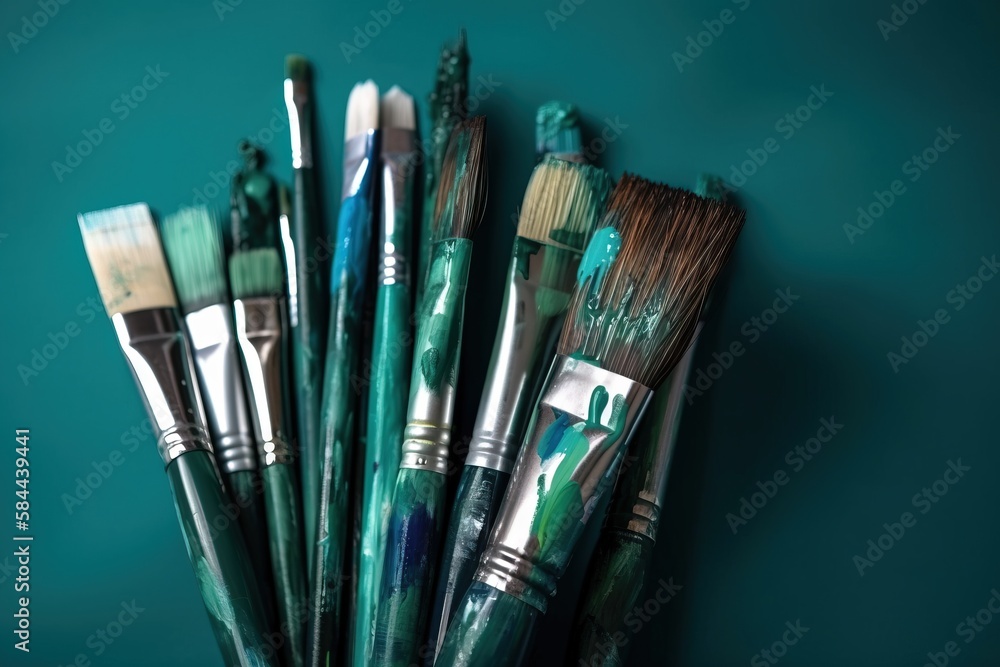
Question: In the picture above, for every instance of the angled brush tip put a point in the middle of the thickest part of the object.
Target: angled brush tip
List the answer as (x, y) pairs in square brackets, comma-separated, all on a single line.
[(461, 195), (397, 110), (362, 109), (193, 244), (563, 202)]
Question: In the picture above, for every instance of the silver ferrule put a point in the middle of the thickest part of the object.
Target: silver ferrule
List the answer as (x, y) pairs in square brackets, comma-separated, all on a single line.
[(258, 330), (524, 342), (160, 358), (220, 378), (427, 435), (297, 97), (399, 159), (359, 163), (525, 556)]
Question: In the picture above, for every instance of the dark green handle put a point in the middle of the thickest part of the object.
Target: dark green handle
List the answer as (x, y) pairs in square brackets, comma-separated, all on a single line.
[(308, 338), (416, 525), (490, 629), (220, 560), (285, 528), (603, 632), (480, 492), (247, 491)]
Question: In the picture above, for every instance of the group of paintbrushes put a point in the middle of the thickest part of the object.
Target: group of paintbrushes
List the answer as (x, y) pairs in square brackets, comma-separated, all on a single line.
[(324, 392)]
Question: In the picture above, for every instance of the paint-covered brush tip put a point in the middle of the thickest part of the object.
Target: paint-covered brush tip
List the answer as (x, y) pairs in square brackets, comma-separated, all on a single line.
[(461, 195), (397, 110), (563, 202), (297, 67), (645, 276), (711, 186), (362, 109), (193, 243), (557, 131), (255, 273)]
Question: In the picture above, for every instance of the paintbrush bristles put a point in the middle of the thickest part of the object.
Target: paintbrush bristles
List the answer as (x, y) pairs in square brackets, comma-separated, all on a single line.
[(297, 67), (563, 202), (557, 130), (362, 109), (255, 273), (193, 245), (461, 195), (397, 110), (127, 259), (637, 318)]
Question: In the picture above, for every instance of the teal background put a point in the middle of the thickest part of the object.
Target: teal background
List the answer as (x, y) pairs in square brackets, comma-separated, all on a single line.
[(825, 357)]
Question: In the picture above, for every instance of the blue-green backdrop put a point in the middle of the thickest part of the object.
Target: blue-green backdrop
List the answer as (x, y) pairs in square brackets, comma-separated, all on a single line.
[(676, 88)]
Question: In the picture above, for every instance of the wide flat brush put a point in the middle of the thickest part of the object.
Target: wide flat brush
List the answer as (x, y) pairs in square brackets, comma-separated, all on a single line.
[(641, 285), (127, 260), (340, 386), (306, 285), (390, 377), (416, 522), (562, 204)]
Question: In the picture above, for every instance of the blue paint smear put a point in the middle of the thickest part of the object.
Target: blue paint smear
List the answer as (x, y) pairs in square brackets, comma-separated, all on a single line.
[(598, 257)]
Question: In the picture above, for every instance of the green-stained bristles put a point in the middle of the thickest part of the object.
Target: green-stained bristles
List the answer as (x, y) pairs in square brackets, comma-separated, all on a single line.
[(557, 130), (451, 84), (193, 244), (255, 273), (710, 186), (563, 202), (461, 196), (645, 276), (297, 67)]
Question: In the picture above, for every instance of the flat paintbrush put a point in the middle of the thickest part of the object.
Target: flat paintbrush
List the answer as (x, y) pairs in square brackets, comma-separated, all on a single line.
[(127, 260), (340, 384), (416, 523), (390, 373), (622, 558), (562, 204), (642, 282)]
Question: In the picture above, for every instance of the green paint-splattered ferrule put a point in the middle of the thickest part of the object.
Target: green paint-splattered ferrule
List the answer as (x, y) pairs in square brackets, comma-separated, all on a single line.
[(574, 445)]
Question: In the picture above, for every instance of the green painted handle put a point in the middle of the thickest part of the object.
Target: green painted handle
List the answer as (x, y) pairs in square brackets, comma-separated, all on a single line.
[(415, 528), (285, 527), (490, 629), (220, 560), (247, 489), (480, 493), (308, 337), (391, 351), (615, 580)]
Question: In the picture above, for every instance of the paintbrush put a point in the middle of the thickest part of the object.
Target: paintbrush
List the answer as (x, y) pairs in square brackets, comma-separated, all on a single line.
[(557, 131), (563, 202), (390, 354), (416, 522), (641, 285), (447, 106), (255, 276), (623, 556), (193, 247), (340, 385), (306, 264), (131, 273)]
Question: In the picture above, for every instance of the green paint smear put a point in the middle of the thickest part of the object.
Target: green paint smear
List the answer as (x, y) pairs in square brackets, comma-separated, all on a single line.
[(489, 628), (215, 595), (600, 254)]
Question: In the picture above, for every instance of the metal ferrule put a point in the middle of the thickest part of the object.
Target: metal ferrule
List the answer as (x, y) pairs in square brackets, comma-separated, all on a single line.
[(217, 363), (399, 159), (258, 330), (160, 358), (359, 163), (642, 485), (513, 561), (297, 100), (523, 343)]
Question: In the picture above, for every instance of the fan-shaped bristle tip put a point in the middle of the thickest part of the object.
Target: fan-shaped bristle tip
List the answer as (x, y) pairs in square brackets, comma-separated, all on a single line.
[(397, 110), (362, 109), (297, 67), (563, 202)]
